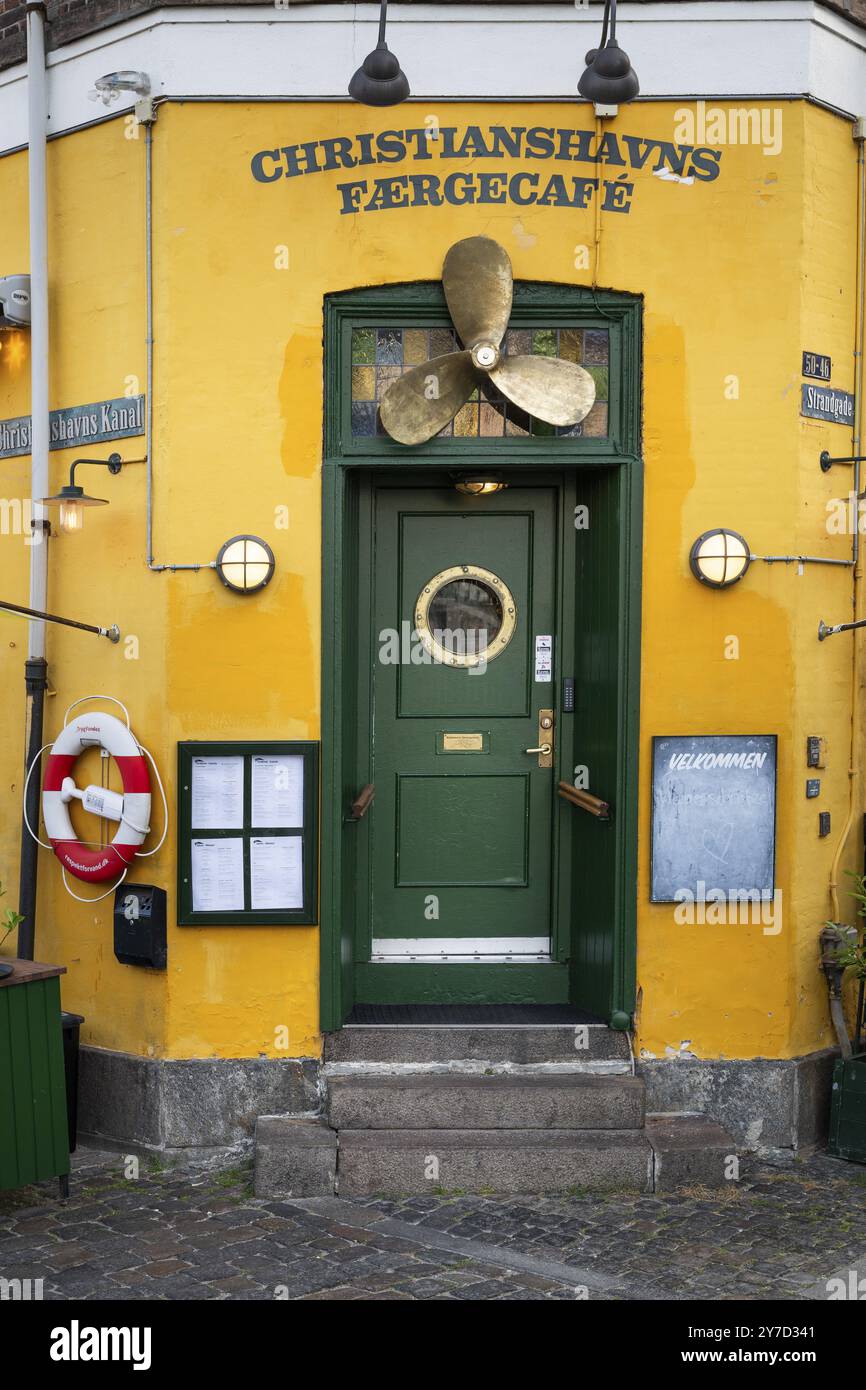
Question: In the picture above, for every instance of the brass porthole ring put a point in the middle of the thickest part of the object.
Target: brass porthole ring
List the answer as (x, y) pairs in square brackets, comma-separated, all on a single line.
[(465, 653)]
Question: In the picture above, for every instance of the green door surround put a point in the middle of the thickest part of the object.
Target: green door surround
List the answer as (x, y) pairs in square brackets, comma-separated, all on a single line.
[(599, 597)]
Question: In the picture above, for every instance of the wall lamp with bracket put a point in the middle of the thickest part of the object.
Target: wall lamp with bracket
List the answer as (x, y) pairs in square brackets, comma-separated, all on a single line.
[(245, 564), (72, 499), (380, 81), (719, 558), (609, 79)]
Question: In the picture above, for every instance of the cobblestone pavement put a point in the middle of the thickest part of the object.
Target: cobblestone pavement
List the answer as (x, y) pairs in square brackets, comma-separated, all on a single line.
[(181, 1233)]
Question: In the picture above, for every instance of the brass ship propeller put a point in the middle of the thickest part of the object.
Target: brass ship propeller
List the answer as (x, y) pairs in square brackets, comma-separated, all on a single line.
[(478, 284)]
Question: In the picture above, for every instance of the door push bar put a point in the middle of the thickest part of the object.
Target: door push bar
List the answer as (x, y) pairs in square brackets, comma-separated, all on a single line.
[(584, 800), (362, 803)]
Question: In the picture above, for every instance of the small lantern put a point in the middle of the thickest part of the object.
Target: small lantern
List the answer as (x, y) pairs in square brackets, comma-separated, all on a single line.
[(72, 499), (245, 564), (719, 558)]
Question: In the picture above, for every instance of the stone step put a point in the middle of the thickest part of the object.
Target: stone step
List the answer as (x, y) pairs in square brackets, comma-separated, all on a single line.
[(294, 1157), (499, 1102), (303, 1157), (691, 1151), (383, 1162), (464, 1068), (526, 1045)]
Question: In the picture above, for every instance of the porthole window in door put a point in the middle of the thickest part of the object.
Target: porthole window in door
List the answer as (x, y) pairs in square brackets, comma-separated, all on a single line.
[(465, 615)]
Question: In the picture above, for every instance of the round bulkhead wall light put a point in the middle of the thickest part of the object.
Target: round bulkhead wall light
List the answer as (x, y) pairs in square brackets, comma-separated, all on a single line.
[(245, 564), (719, 558)]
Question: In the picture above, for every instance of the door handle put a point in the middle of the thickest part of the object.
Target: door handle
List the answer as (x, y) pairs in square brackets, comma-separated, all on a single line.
[(362, 803), (584, 801), (545, 739)]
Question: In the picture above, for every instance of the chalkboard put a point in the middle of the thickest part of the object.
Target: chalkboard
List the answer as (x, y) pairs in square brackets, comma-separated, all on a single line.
[(713, 815)]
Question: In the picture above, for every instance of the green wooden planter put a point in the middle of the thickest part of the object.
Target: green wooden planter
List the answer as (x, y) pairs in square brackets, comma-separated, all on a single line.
[(848, 1109), (34, 1136)]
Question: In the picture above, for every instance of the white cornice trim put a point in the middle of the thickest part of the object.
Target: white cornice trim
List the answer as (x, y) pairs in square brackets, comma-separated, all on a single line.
[(730, 49)]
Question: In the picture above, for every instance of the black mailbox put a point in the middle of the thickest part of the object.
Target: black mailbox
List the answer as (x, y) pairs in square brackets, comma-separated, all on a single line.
[(139, 925)]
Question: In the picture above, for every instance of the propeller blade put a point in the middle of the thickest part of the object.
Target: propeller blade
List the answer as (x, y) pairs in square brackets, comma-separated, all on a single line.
[(559, 392), (422, 401), (478, 283)]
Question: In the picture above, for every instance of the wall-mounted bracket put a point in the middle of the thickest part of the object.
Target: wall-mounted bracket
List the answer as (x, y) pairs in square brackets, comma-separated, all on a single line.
[(825, 631), (112, 633), (827, 462)]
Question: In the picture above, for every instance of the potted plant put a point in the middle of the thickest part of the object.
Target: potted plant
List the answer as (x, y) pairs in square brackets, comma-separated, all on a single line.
[(9, 920), (848, 1106)]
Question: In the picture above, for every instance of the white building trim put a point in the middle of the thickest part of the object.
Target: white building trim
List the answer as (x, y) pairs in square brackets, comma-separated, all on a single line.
[(730, 48)]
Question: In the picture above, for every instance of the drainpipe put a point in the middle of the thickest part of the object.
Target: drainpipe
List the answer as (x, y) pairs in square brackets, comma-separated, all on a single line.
[(36, 669), (835, 941), (857, 601)]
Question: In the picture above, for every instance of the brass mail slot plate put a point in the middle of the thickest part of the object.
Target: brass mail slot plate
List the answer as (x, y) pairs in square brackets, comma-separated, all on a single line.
[(461, 743)]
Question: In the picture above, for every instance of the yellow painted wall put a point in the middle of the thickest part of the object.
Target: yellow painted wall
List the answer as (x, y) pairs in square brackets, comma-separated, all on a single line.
[(738, 275)]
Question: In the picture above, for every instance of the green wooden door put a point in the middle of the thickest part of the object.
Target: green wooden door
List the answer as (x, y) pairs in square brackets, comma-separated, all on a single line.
[(461, 834)]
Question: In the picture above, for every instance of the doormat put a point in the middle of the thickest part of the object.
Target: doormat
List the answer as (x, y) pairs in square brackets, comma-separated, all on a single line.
[(469, 1015)]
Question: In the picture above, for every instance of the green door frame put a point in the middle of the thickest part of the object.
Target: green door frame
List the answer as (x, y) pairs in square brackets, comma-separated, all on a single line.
[(607, 473)]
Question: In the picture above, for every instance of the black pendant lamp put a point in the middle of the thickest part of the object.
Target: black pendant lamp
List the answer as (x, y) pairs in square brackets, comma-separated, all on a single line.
[(380, 81), (609, 79)]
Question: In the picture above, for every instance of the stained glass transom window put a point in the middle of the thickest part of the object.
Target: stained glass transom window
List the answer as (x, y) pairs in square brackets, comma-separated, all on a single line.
[(379, 355)]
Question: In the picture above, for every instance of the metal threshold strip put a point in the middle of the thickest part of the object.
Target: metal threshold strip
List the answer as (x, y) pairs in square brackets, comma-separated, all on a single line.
[(474, 1016), (447, 950)]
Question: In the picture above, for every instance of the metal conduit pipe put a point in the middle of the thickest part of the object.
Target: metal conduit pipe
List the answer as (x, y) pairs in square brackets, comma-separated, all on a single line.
[(857, 596), (148, 262), (801, 560), (36, 668)]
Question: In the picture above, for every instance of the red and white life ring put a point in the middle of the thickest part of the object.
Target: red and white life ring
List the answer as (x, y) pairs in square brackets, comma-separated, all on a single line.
[(89, 731)]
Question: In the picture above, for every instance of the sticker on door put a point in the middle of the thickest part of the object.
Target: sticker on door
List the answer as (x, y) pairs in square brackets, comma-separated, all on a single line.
[(544, 658)]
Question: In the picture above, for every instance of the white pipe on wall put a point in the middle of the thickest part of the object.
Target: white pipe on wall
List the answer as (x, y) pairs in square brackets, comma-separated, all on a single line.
[(35, 670), (37, 116)]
